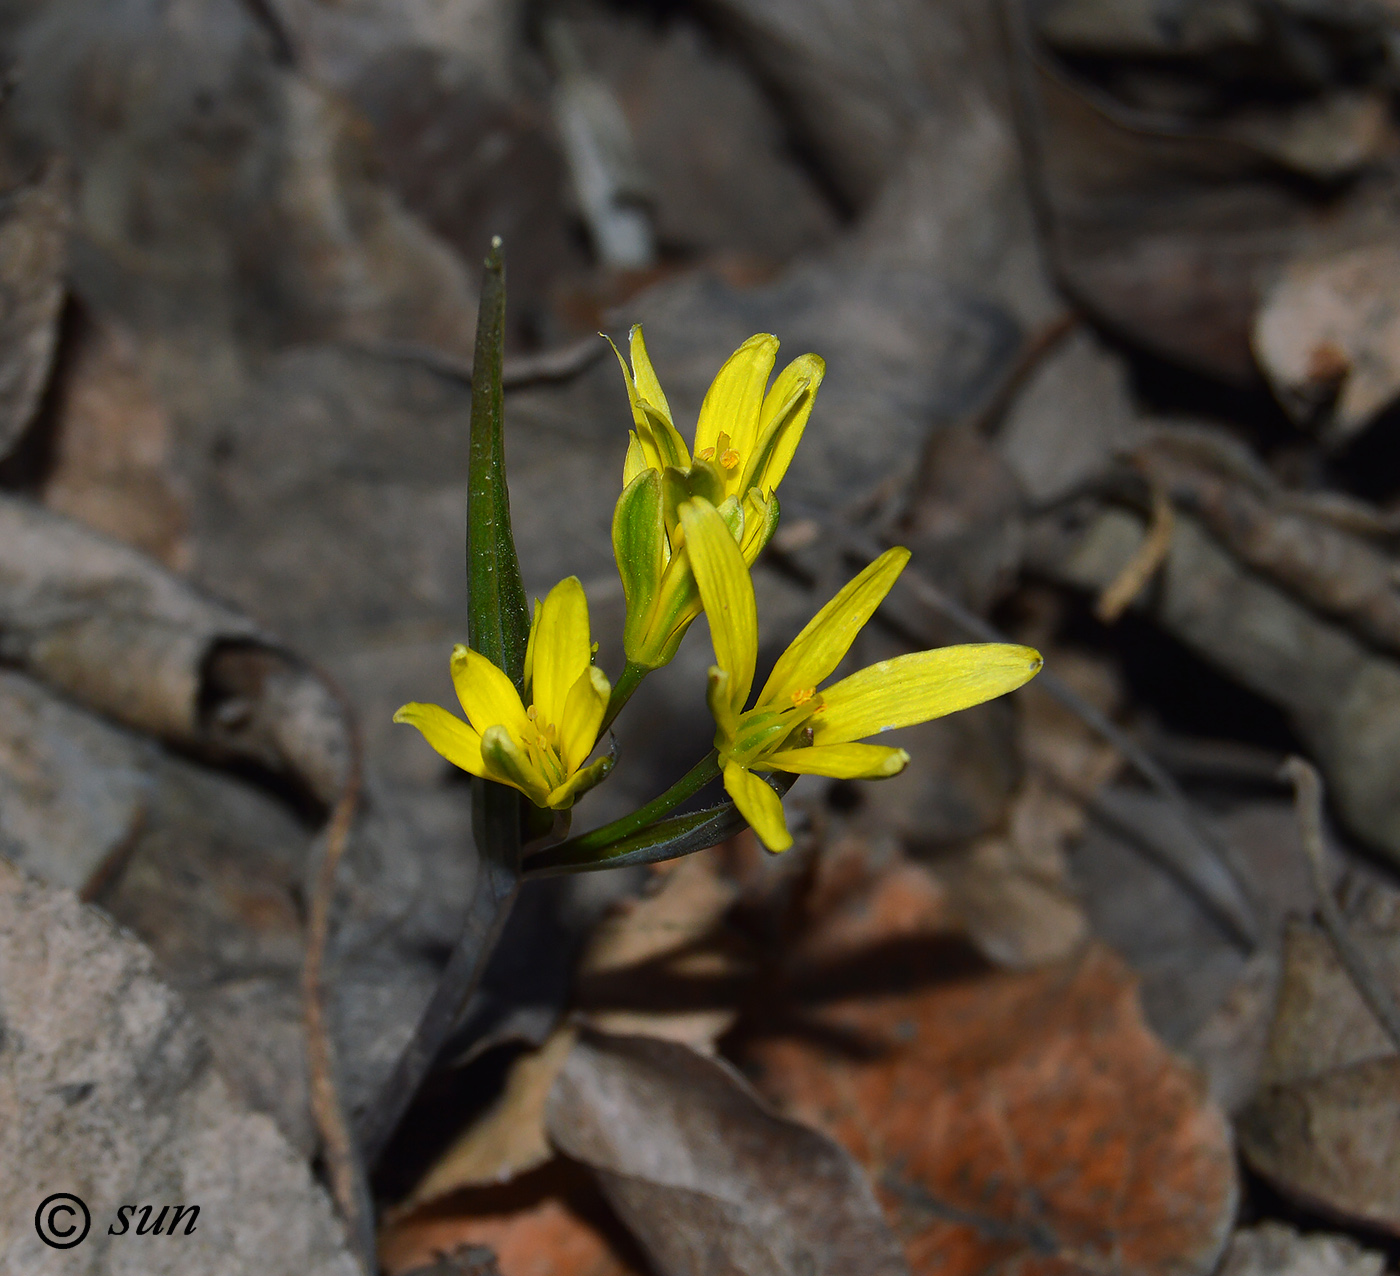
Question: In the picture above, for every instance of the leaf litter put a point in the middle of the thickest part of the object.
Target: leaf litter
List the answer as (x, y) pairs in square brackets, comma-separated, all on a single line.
[(237, 307)]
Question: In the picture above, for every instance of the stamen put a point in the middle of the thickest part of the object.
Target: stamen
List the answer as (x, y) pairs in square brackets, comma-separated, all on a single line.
[(705, 454), (532, 713), (803, 694), (730, 459)]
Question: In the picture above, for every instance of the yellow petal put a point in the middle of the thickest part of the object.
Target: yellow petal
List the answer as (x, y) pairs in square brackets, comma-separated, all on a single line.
[(644, 375), (658, 439), (814, 654), (781, 422), (583, 715), (506, 763), (735, 397), (488, 697), (920, 686), (717, 696), (759, 805), (727, 593), (447, 733), (840, 761), (561, 649), (578, 784), (636, 462), (528, 676)]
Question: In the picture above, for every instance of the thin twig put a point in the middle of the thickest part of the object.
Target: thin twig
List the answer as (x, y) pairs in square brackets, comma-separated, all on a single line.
[(1307, 797), (558, 364), (1210, 875), (343, 1166), (1145, 563)]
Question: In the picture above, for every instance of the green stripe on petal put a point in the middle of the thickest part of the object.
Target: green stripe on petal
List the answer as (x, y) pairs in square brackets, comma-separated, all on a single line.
[(506, 763), (727, 593), (447, 733), (759, 805), (839, 761), (918, 687), (488, 697), (639, 544), (760, 522), (813, 655), (578, 784), (735, 397), (562, 649), (583, 715)]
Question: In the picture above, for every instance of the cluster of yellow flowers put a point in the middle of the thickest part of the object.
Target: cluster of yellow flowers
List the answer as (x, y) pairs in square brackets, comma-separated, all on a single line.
[(686, 531)]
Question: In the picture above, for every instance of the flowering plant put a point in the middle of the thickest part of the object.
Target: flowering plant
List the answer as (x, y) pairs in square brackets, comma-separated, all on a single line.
[(686, 531)]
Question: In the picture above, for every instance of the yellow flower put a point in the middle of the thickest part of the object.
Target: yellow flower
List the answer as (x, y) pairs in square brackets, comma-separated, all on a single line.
[(744, 442), (797, 726), (540, 750)]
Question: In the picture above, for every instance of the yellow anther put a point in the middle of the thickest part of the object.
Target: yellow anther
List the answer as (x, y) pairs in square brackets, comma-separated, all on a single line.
[(705, 454), (803, 694), (532, 713), (730, 459)]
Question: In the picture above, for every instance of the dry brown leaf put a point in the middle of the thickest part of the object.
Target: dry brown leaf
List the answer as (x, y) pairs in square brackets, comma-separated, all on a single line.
[(34, 222), (111, 629), (1325, 1125), (1027, 1120), (1329, 327), (707, 1178), (113, 466), (1013, 890), (663, 966), (508, 1138), (551, 1223)]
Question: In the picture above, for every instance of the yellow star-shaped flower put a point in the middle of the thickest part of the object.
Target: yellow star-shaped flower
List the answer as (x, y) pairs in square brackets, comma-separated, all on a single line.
[(744, 442), (539, 750), (799, 727)]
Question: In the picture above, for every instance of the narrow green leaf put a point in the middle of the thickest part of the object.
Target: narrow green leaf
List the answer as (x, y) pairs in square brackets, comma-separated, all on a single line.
[(664, 840), (498, 623)]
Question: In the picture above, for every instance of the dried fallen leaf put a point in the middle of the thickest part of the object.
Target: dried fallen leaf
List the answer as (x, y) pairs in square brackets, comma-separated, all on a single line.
[(113, 466), (708, 1179), (508, 1138), (33, 249), (112, 630), (1328, 328), (550, 1223), (1026, 1120), (663, 965), (1012, 890), (1325, 1126)]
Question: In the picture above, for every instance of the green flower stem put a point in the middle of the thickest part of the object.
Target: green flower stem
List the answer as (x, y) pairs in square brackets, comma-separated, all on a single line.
[(586, 846), (629, 680)]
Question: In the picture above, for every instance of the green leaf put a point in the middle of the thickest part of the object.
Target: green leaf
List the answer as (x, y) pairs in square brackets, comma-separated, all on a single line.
[(498, 623), (663, 840)]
